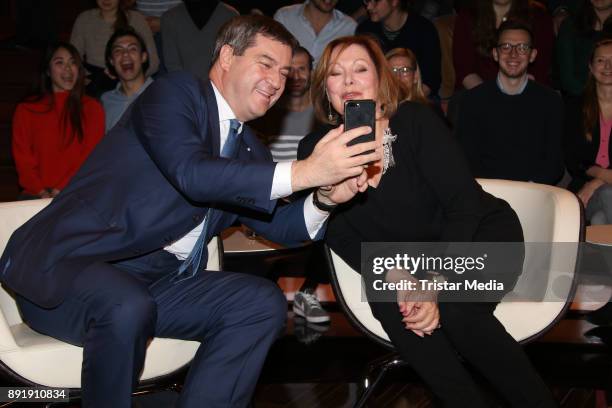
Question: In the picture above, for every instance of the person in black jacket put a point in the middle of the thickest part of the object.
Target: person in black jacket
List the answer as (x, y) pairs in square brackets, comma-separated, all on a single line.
[(396, 27), (587, 137), (422, 191)]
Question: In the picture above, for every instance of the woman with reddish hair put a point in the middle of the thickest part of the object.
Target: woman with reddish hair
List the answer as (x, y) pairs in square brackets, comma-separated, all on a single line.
[(422, 191)]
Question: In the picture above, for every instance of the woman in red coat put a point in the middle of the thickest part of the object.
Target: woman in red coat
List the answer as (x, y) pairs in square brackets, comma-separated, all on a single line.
[(54, 132)]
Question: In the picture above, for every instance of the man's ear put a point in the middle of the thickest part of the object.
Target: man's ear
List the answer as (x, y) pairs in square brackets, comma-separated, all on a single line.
[(533, 55), (495, 54), (226, 56), (145, 56)]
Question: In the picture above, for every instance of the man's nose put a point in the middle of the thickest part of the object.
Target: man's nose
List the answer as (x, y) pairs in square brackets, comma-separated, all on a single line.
[(275, 79)]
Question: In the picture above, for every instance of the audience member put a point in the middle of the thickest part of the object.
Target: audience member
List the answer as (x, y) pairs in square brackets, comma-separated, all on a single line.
[(395, 27), (511, 127), (188, 32), (405, 66), (282, 128), (128, 248), (153, 10), (292, 118), (587, 128), (126, 59), (54, 132), (422, 191), (92, 30), (576, 37), (474, 38), (315, 23), (432, 9)]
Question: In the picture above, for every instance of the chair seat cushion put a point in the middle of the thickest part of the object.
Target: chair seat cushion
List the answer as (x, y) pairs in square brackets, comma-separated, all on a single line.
[(53, 363)]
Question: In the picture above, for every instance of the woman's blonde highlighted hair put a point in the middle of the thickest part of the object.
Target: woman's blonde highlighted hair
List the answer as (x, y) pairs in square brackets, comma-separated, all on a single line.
[(415, 90), (390, 91)]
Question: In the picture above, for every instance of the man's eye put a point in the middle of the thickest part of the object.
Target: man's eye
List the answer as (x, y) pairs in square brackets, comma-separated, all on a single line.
[(266, 65)]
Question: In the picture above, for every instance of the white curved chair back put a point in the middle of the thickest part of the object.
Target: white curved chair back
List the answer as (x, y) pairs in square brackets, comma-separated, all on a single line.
[(547, 214), (39, 359)]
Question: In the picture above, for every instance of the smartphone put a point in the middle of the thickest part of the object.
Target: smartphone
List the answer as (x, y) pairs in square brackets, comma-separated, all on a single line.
[(360, 113)]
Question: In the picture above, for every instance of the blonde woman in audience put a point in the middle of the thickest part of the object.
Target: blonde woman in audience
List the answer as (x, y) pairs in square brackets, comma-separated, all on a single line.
[(404, 64), (92, 30)]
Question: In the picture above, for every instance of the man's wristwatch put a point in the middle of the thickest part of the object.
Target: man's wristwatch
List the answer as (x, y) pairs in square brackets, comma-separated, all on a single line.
[(321, 206)]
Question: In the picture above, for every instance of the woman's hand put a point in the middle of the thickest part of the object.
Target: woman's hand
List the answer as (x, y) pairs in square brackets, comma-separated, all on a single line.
[(420, 317), (586, 192), (344, 191), (419, 307)]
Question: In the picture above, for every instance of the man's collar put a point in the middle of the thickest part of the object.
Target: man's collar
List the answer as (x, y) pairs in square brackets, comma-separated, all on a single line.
[(335, 11), (225, 111), (500, 86)]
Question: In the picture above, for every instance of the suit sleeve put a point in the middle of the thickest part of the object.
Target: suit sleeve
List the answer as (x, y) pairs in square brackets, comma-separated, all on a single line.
[(285, 226), (170, 119)]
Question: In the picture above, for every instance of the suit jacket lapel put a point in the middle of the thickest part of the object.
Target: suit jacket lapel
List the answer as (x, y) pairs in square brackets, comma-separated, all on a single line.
[(213, 115)]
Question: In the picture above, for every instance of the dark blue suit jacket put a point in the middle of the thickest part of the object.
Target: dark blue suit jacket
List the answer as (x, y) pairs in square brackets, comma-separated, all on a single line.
[(151, 180)]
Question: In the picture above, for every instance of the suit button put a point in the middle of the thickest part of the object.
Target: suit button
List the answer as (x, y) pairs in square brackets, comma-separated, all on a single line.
[(197, 218)]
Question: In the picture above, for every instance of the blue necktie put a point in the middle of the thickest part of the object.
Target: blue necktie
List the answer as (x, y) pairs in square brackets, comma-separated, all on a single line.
[(191, 265)]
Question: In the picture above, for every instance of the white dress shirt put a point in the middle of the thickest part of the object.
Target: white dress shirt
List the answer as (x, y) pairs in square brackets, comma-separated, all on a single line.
[(281, 187)]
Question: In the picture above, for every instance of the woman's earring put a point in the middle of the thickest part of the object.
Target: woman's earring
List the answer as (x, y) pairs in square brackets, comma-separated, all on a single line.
[(330, 115)]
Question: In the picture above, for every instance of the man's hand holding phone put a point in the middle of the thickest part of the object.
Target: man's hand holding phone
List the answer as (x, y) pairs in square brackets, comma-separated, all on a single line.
[(333, 160)]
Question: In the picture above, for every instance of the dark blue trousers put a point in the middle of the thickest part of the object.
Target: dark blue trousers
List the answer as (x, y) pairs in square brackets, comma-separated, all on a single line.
[(114, 309)]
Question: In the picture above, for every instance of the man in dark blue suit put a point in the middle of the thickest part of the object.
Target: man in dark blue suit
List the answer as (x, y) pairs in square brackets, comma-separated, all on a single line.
[(114, 260)]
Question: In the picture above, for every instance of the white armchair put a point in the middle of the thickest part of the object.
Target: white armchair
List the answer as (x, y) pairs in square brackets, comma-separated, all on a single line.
[(547, 214), (35, 359)]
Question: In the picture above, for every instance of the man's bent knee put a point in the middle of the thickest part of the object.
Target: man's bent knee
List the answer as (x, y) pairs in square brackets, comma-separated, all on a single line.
[(130, 317)]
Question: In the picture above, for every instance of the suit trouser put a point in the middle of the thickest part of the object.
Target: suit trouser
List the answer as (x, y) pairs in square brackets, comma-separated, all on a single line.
[(469, 330), (112, 310)]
